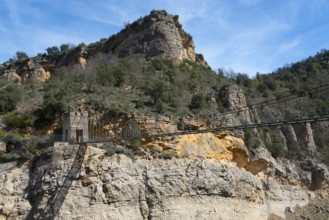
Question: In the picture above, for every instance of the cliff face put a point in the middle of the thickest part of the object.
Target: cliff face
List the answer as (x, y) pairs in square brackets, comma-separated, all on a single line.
[(37, 68), (158, 34), (118, 187)]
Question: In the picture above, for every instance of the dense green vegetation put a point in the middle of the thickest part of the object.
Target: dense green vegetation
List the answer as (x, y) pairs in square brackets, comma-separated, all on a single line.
[(294, 79), (19, 147), (158, 86), (132, 84), (10, 95)]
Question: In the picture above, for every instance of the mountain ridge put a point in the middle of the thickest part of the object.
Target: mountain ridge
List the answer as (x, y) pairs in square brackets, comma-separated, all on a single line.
[(158, 34)]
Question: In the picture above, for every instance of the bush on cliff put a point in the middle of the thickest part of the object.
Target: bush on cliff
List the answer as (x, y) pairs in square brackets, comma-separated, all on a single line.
[(10, 95)]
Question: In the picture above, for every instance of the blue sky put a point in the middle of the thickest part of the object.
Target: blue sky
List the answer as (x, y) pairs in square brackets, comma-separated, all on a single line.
[(247, 36)]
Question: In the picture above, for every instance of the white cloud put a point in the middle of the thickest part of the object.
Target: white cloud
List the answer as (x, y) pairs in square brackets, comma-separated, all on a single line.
[(286, 46), (13, 10)]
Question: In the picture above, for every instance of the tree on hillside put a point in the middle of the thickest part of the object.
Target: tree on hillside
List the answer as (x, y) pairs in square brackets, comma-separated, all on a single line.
[(51, 51), (20, 55), (10, 96), (66, 47), (157, 91)]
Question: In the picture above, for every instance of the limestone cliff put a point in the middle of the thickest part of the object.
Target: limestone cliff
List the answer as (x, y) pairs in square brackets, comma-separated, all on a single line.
[(38, 68), (158, 34), (118, 187), (211, 176)]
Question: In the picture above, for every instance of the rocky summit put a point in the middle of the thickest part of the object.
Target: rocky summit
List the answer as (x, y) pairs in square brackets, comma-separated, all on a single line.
[(156, 35), (137, 126)]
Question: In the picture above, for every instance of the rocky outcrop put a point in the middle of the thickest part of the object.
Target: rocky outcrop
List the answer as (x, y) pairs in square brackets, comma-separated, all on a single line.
[(158, 34), (118, 187), (11, 75), (37, 68), (13, 198), (76, 56)]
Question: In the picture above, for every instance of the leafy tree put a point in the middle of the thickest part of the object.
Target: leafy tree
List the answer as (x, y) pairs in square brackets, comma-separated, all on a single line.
[(66, 47), (271, 84), (157, 91), (159, 106), (55, 100), (243, 79), (10, 96), (105, 76), (221, 72), (21, 55), (53, 51), (231, 74), (15, 120), (198, 101)]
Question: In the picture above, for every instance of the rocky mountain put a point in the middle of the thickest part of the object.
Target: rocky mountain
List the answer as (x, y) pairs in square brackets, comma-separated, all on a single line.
[(148, 80), (156, 35)]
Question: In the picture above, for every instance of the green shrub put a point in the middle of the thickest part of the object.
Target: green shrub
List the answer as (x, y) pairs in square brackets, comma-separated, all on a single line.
[(243, 79), (166, 156), (171, 73), (7, 157), (160, 107), (157, 90), (53, 51), (16, 120), (250, 139), (19, 148), (140, 104), (20, 55), (56, 100), (276, 149), (105, 76), (13, 141), (10, 96), (110, 150), (198, 101)]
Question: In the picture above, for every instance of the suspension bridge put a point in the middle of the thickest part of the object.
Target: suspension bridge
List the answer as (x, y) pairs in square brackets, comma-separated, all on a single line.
[(306, 107)]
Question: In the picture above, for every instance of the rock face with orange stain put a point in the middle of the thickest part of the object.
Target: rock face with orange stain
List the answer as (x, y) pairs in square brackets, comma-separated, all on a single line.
[(37, 68), (119, 187)]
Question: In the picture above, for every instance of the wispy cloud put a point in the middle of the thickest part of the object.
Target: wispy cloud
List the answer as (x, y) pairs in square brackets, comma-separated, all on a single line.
[(286, 46), (13, 10)]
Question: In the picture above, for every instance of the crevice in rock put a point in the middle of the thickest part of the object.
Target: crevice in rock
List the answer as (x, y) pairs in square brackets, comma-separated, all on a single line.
[(146, 193)]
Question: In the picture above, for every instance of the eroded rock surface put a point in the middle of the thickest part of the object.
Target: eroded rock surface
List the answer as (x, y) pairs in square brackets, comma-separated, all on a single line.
[(118, 187)]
